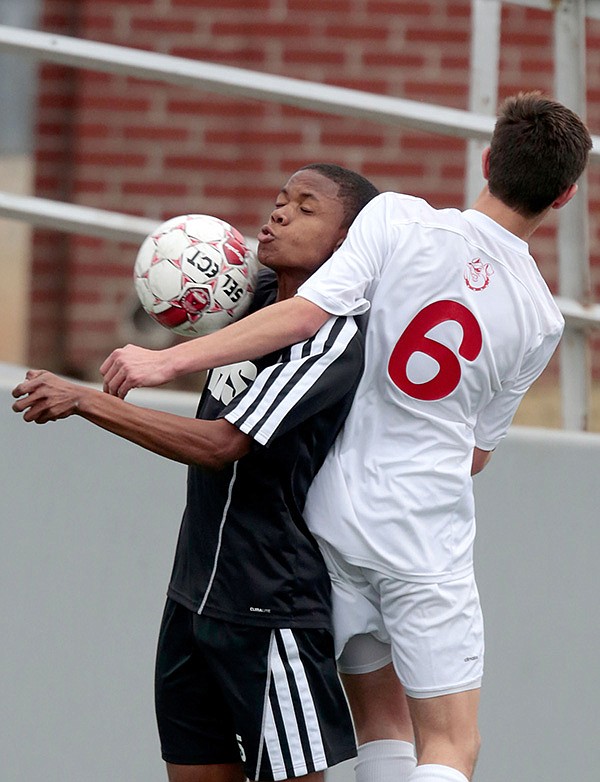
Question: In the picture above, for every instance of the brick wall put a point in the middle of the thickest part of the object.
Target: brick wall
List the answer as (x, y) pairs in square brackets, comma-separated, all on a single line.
[(157, 150)]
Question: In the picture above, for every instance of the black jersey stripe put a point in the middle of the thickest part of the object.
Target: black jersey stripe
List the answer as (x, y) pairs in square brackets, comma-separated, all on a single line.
[(291, 735), (264, 423), (278, 389), (220, 537)]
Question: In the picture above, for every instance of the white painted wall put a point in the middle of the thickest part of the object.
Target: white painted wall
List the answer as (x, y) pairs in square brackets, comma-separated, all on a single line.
[(88, 527)]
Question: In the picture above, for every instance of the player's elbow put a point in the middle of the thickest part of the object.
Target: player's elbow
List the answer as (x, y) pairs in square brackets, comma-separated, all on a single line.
[(308, 319), (229, 446)]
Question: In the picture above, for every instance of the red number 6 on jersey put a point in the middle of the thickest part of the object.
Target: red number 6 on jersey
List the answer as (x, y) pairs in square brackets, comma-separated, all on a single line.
[(414, 340)]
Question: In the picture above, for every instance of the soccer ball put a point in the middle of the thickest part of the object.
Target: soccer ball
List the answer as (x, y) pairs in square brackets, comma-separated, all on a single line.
[(195, 274)]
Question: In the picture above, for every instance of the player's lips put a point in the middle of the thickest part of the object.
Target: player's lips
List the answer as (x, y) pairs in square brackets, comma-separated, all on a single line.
[(265, 235)]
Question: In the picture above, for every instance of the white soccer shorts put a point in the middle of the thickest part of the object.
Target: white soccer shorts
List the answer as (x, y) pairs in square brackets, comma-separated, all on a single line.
[(433, 633)]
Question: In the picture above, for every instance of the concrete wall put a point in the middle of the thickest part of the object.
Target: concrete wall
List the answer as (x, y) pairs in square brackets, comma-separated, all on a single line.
[(88, 531)]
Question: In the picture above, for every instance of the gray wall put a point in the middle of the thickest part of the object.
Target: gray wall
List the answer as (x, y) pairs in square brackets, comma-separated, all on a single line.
[(88, 530)]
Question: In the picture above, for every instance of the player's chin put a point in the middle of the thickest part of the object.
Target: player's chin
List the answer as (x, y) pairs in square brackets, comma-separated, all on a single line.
[(267, 256)]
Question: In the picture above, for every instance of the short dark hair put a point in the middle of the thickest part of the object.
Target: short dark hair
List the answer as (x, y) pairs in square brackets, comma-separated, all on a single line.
[(539, 149), (355, 191)]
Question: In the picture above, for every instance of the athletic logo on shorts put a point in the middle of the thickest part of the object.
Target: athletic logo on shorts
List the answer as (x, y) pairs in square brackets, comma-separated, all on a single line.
[(238, 738)]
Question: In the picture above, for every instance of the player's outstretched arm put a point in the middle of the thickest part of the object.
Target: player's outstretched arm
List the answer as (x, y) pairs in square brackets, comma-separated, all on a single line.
[(44, 397), (269, 329)]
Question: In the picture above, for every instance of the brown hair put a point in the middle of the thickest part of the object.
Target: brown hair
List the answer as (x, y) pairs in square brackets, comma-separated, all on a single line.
[(539, 149)]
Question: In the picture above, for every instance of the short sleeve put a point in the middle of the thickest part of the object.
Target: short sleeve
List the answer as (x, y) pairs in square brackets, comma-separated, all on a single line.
[(345, 283), (310, 376), (494, 420)]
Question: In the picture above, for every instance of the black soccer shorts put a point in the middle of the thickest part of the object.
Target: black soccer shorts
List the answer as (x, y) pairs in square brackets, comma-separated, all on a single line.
[(268, 696)]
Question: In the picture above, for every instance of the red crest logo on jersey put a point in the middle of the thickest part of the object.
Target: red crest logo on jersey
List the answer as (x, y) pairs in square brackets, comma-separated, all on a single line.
[(477, 274)]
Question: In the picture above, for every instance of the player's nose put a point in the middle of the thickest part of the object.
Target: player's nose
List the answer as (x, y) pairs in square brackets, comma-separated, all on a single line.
[(280, 215)]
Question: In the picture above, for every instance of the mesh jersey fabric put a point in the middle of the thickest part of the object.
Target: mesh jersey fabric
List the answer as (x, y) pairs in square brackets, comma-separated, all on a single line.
[(460, 324), (244, 551)]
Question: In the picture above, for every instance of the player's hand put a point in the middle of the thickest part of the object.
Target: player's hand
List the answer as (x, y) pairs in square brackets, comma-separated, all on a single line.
[(132, 367), (44, 397)]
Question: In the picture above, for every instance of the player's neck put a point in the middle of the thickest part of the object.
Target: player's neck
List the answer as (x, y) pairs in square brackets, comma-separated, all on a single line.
[(512, 221), (288, 283)]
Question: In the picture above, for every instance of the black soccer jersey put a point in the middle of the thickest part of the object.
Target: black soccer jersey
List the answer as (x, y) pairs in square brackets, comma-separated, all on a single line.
[(244, 552)]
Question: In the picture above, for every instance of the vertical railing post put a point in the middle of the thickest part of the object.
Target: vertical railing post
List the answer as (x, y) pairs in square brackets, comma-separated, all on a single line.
[(483, 88), (573, 230)]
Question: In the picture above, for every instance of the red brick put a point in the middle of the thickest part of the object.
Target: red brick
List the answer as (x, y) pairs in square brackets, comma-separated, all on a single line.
[(116, 159), (393, 59), (98, 23), (162, 25), (457, 62), (459, 10), (82, 186), (396, 169), (238, 191), (214, 105), (104, 270), (261, 30), (327, 57), (429, 142), (56, 22), (438, 35), (325, 6), (352, 139), (115, 103), (240, 58), (397, 8), (84, 297), (357, 33), (241, 5), (52, 72), (90, 130), (56, 101), (100, 3), (204, 163), (79, 241), (528, 39), (537, 66), (446, 94), (455, 172), (224, 136), (378, 86), (152, 133), (154, 189)]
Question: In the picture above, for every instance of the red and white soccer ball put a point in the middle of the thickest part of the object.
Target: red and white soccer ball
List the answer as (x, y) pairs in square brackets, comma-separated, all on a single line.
[(195, 274)]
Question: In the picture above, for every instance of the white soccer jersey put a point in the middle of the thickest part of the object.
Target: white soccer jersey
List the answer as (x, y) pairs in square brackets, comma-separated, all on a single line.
[(461, 323)]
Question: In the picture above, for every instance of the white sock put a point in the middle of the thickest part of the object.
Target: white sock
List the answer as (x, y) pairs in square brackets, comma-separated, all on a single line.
[(431, 772), (387, 760)]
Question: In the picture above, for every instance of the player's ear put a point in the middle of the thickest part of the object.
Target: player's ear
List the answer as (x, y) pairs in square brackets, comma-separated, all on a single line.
[(565, 197), (485, 163)]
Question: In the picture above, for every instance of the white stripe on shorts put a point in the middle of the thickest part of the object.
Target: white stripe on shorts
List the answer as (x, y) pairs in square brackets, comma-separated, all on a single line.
[(285, 701)]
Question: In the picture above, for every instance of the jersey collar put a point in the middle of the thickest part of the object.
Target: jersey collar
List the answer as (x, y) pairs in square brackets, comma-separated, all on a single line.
[(492, 228)]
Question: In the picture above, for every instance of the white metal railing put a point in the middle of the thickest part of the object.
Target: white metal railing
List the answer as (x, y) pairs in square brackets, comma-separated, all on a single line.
[(574, 273), (476, 125)]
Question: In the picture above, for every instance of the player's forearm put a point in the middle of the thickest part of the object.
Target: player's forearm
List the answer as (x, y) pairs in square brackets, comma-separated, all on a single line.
[(259, 334), (189, 441)]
